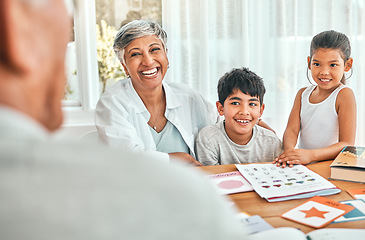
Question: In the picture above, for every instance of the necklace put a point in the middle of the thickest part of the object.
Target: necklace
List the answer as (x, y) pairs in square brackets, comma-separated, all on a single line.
[(158, 112)]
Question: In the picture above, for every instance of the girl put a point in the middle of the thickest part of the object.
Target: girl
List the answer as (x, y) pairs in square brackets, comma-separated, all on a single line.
[(323, 114)]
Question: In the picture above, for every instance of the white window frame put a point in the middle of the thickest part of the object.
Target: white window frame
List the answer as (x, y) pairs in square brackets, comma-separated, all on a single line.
[(82, 113)]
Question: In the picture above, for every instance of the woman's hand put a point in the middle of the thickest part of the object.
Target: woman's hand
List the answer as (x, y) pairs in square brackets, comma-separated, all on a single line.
[(185, 157), (294, 156)]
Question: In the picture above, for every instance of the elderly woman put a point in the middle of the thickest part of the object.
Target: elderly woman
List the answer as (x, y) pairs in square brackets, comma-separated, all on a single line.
[(144, 112)]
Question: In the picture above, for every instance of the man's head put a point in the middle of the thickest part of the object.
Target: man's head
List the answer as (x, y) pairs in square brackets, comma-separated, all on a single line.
[(241, 94), (34, 38)]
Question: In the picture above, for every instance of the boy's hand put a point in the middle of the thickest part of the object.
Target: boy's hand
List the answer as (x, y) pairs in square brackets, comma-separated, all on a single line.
[(293, 156)]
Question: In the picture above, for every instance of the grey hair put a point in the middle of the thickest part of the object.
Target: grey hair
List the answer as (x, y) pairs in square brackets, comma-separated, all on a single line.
[(137, 29)]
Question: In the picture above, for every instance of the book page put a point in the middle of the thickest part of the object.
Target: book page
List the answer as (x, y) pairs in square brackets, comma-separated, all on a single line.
[(271, 181), (283, 233), (229, 183), (350, 156), (287, 233), (357, 214), (357, 193), (336, 234)]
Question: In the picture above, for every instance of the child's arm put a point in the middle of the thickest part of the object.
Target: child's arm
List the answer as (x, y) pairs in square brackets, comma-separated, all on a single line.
[(265, 125), (346, 111), (292, 131), (293, 127)]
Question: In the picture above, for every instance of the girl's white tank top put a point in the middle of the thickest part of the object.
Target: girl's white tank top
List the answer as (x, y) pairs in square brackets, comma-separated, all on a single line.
[(318, 121)]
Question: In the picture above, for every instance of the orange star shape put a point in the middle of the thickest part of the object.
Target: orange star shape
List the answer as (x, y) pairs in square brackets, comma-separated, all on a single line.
[(314, 212)]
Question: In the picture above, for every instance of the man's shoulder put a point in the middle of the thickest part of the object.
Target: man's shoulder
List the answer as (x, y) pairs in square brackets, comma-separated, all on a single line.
[(60, 156), (106, 178)]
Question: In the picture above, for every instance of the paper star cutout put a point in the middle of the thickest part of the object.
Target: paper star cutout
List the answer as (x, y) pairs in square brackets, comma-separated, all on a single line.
[(314, 212)]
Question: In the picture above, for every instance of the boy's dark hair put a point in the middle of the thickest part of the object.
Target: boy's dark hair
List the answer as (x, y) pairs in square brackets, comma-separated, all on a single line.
[(241, 79)]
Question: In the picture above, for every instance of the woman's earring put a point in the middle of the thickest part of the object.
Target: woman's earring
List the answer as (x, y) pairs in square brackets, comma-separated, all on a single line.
[(308, 76), (352, 72)]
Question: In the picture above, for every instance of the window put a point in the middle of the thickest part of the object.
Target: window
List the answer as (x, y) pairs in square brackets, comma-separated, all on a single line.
[(91, 63), (208, 38), (271, 37)]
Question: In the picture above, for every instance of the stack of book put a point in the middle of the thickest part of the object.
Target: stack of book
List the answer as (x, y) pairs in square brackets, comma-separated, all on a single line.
[(349, 165)]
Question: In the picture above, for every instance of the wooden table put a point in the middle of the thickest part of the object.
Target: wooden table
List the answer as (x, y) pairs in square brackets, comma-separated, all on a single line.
[(253, 204)]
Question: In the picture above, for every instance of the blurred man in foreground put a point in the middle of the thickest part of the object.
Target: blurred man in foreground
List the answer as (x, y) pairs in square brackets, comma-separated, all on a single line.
[(57, 190)]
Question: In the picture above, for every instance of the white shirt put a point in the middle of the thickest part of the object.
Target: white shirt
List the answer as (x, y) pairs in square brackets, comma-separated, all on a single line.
[(17, 126), (121, 117), (318, 121), (69, 190)]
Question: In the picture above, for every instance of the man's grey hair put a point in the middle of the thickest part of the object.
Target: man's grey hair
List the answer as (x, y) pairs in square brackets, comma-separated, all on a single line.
[(137, 29)]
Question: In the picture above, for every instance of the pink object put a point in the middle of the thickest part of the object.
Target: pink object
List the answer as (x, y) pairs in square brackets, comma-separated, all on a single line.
[(230, 184)]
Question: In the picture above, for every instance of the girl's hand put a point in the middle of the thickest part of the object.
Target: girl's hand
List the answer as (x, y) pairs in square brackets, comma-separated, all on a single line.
[(293, 156)]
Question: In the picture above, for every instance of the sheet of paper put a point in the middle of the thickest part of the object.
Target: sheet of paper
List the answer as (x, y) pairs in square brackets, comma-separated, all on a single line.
[(357, 214), (254, 224), (317, 212), (336, 234), (270, 181), (230, 182), (357, 193)]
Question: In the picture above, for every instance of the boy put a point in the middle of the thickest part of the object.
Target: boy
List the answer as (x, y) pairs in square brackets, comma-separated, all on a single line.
[(238, 138)]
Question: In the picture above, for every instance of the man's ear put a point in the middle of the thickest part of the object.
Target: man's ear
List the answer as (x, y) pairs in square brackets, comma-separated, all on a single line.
[(4, 29), (220, 108), (13, 47)]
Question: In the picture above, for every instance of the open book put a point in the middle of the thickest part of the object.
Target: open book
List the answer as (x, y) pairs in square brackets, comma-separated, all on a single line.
[(279, 184), (287, 233), (229, 183)]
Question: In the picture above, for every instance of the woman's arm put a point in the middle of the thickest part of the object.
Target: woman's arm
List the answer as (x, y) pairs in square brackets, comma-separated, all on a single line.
[(113, 126)]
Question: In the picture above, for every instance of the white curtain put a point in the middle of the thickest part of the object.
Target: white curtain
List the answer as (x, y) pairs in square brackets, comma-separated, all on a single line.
[(207, 38)]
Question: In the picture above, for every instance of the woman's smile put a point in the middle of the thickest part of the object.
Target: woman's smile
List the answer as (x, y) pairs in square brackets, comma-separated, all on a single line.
[(146, 63), (150, 72)]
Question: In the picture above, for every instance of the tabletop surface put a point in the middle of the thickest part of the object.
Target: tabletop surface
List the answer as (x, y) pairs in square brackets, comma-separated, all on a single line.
[(253, 204)]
